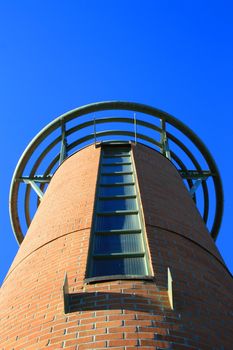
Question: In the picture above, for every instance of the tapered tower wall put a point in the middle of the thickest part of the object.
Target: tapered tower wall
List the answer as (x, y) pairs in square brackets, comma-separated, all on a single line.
[(178, 238), (118, 314)]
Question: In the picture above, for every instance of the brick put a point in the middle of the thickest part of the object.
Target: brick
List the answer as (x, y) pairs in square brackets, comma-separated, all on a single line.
[(123, 342)]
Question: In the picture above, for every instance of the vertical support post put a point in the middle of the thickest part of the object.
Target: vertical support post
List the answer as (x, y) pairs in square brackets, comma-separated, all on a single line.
[(163, 127), (135, 128), (94, 125), (63, 150), (164, 140)]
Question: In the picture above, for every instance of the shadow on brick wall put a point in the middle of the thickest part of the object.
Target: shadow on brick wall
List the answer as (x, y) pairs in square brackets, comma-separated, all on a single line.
[(110, 301)]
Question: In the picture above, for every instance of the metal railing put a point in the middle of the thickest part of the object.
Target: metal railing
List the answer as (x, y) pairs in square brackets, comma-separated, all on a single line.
[(94, 123)]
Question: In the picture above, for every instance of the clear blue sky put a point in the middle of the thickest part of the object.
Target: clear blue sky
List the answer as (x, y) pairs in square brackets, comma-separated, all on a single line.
[(58, 55)]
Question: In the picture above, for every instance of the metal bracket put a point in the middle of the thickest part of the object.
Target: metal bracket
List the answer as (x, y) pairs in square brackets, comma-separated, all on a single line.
[(169, 288), (195, 174), (32, 182), (63, 150), (35, 187), (196, 185), (36, 178), (65, 292)]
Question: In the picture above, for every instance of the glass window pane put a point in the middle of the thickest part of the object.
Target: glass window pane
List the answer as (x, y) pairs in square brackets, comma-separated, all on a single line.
[(116, 152), (117, 204), (114, 168), (112, 179), (119, 266), (117, 222), (110, 160), (117, 191), (118, 243)]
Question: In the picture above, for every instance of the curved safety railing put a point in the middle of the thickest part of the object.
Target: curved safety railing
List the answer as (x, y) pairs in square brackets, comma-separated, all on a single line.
[(104, 121)]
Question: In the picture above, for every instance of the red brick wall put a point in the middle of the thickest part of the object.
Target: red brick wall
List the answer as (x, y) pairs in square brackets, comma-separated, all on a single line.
[(121, 315), (178, 238)]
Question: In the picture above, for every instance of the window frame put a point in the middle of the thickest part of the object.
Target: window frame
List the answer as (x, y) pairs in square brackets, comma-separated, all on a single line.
[(92, 256)]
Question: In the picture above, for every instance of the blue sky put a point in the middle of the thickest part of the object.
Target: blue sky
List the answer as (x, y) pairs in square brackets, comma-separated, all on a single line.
[(58, 55)]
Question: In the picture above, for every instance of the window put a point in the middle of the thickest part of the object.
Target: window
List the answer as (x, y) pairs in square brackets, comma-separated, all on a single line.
[(117, 239)]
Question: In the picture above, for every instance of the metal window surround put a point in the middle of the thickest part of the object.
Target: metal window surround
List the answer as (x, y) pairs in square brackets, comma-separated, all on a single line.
[(117, 239)]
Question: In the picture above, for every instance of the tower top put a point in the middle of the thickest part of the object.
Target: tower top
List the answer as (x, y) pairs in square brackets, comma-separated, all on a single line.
[(115, 121)]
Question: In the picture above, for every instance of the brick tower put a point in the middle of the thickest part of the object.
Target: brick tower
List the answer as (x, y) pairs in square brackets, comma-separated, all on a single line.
[(126, 204)]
